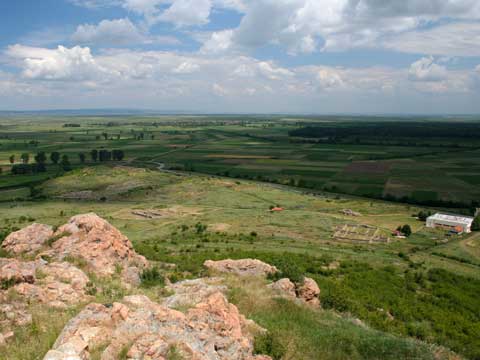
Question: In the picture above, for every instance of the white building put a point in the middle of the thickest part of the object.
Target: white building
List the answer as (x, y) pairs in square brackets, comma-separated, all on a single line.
[(450, 222)]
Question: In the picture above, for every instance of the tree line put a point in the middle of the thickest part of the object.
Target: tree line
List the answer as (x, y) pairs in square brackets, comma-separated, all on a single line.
[(41, 159)]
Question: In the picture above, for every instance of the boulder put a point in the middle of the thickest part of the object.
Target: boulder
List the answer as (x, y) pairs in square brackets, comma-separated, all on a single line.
[(212, 330), (13, 271), (56, 285), (188, 293), (244, 267), (309, 292), (60, 285), (14, 314), (285, 287), (5, 337), (99, 244), (28, 240)]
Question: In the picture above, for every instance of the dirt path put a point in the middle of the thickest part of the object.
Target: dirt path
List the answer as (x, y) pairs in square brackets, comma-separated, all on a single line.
[(472, 245)]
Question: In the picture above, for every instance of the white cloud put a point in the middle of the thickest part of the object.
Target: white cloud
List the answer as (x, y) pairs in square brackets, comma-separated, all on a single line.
[(161, 79), (303, 26), (426, 69), (219, 90), (455, 39), (329, 79), (186, 67), (92, 4), (62, 63), (219, 41), (109, 32), (187, 12), (238, 5)]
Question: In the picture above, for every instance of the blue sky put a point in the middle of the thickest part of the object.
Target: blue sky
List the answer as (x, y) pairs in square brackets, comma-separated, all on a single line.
[(304, 56)]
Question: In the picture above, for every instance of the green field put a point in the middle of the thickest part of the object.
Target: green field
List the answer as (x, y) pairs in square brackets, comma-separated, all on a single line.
[(438, 171), (210, 183)]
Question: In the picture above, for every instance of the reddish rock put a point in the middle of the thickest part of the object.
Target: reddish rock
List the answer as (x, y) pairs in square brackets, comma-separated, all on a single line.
[(56, 285), (28, 240), (284, 287), (61, 285), (13, 271), (309, 292), (244, 267), (98, 243), (192, 292), (212, 330)]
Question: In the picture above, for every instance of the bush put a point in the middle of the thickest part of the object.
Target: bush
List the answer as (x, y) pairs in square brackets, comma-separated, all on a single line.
[(152, 277), (269, 344), (290, 270), (476, 224)]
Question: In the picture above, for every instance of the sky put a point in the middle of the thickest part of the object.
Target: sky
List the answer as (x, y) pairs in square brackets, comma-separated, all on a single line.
[(242, 56)]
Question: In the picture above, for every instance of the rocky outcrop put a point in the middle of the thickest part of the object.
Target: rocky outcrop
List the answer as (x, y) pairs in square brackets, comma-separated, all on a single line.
[(143, 329), (189, 293), (87, 238), (99, 244), (308, 291), (56, 285), (285, 287), (28, 240), (13, 271), (244, 267)]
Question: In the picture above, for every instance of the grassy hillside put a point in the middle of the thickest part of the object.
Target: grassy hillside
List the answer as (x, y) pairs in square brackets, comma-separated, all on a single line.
[(421, 287)]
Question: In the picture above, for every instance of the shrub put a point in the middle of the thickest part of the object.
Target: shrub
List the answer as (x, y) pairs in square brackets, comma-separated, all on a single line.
[(269, 344), (476, 223), (407, 230), (152, 277), (290, 270)]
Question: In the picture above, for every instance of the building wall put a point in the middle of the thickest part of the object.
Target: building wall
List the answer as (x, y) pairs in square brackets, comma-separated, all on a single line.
[(446, 225)]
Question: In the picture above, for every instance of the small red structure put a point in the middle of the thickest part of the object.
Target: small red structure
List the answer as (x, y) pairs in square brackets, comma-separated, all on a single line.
[(276, 209)]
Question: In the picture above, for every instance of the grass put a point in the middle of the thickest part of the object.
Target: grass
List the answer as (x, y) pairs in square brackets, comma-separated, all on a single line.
[(298, 332), (34, 340), (298, 241)]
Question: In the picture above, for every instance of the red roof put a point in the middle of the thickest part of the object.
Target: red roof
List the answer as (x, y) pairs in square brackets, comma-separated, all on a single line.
[(277, 209)]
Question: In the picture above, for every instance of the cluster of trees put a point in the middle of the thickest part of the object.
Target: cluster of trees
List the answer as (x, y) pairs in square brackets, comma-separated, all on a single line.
[(40, 164), (391, 130), (423, 215), (106, 155)]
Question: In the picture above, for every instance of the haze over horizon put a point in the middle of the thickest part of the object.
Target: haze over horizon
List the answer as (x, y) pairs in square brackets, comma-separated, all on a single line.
[(242, 56)]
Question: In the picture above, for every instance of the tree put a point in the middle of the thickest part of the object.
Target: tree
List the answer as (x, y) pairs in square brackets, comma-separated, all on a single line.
[(422, 215), (94, 155), (65, 163), (41, 159), (55, 157), (25, 158), (476, 223), (82, 157), (118, 155), (12, 159), (406, 230), (105, 155), (105, 135)]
